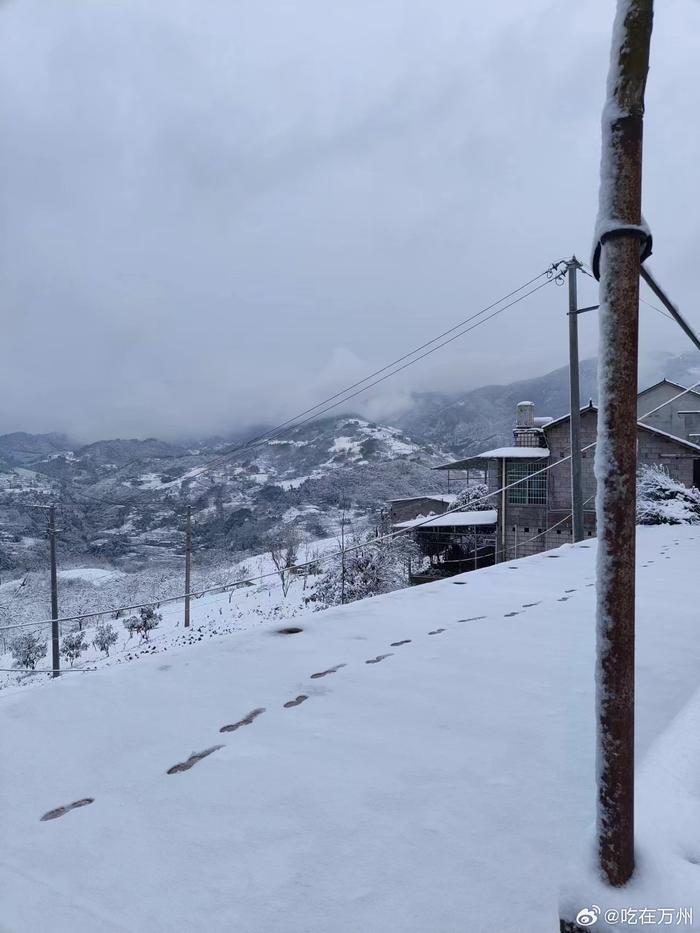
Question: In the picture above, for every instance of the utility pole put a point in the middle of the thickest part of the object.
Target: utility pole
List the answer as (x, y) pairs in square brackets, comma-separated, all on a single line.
[(575, 407), (188, 564), (622, 238), (55, 654), (342, 558)]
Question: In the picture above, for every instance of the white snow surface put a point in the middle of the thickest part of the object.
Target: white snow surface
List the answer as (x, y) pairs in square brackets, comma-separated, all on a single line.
[(467, 519), (513, 453), (96, 575), (440, 790)]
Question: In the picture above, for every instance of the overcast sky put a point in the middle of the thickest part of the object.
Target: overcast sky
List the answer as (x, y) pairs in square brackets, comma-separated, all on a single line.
[(215, 212)]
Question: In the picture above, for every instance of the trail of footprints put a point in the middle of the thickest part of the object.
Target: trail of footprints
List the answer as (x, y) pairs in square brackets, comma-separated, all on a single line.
[(250, 717)]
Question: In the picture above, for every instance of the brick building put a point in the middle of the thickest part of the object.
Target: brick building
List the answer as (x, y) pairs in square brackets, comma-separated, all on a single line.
[(535, 515)]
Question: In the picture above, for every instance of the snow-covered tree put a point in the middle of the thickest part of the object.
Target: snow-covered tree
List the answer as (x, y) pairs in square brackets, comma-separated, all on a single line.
[(149, 619), (663, 500), (143, 623), (378, 566), (27, 649), (284, 548), (72, 646), (473, 499), (131, 624), (105, 637)]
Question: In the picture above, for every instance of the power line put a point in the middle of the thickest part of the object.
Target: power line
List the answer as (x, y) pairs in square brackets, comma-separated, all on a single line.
[(261, 439), (346, 394)]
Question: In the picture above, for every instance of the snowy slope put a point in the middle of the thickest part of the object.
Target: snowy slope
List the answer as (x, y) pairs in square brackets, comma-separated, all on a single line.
[(437, 781)]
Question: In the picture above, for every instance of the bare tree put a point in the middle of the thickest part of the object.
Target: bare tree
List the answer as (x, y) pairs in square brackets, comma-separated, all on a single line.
[(284, 549)]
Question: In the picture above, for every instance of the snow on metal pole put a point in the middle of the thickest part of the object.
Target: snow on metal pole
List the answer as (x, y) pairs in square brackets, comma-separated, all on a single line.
[(621, 236)]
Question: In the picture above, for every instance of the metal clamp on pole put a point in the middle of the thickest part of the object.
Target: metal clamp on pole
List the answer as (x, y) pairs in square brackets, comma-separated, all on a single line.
[(638, 230)]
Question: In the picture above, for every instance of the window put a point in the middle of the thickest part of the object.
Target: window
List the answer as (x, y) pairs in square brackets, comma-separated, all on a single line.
[(531, 491)]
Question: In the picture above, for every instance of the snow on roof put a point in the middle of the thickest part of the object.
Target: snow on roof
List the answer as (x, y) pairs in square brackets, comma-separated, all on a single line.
[(456, 519), (446, 753), (515, 453), (500, 453)]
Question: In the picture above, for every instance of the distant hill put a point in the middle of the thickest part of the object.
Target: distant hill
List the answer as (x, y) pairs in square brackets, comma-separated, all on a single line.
[(462, 422)]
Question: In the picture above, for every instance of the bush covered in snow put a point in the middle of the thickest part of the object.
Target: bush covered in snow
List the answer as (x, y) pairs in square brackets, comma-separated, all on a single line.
[(105, 637), (473, 499), (73, 646), (662, 500), (377, 566), (27, 649), (143, 623)]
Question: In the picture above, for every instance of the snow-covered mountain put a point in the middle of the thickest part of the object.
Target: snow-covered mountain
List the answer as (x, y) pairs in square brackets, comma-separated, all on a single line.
[(123, 501)]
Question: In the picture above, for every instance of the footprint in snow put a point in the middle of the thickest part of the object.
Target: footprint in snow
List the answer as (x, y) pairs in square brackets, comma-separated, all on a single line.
[(530, 605), (61, 811), (507, 615), (436, 631), (472, 619), (563, 599), (331, 670), (246, 721), (572, 590), (380, 657), (397, 644), (192, 760), (300, 699)]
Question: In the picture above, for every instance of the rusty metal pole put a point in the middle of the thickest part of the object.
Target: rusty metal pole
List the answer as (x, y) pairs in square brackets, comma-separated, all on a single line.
[(620, 223)]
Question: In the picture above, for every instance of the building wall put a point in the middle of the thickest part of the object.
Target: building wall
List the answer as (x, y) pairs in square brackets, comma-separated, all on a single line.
[(559, 477), (670, 419)]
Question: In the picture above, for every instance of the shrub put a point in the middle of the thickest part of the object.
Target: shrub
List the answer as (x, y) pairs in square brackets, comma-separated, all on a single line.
[(73, 646), (105, 637), (27, 649), (143, 623), (662, 500)]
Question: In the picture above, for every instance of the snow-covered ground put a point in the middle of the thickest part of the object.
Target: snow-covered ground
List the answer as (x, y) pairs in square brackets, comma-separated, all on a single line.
[(98, 588), (420, 762)]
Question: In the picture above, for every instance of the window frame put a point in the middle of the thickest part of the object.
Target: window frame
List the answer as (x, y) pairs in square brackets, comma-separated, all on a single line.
[(529, 492)]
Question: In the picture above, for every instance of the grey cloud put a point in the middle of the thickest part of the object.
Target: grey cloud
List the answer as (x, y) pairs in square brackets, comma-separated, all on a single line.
[(208, 210)]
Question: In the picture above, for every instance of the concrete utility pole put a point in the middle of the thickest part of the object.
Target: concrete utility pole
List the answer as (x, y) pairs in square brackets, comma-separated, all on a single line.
[(342, 558), (55, 653), (621, 239), (575, 407), (188, 564)]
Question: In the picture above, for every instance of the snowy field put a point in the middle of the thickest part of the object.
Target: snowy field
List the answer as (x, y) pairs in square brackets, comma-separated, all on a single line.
[(93, 588), (420, 762)]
